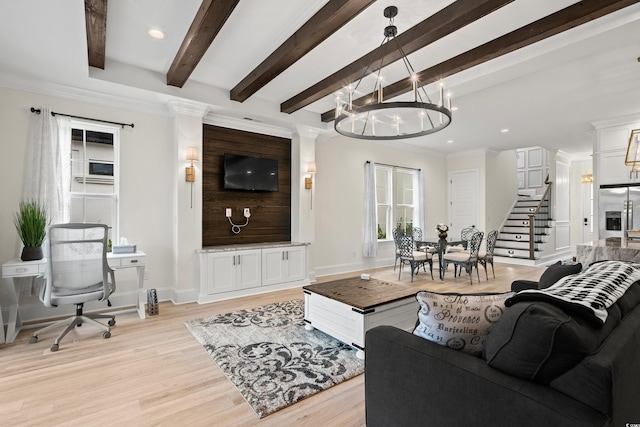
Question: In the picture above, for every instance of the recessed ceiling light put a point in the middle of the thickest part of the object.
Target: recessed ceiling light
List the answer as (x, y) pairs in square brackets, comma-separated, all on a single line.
[(505, 130), (454, 108), (450, 141), (156, 33)]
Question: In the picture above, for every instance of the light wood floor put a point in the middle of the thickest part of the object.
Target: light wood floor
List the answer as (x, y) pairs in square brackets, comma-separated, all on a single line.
[(153, 372)]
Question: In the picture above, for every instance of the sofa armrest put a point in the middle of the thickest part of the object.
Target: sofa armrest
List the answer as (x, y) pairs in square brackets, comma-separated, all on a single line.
[(521, 285), (410, 381)]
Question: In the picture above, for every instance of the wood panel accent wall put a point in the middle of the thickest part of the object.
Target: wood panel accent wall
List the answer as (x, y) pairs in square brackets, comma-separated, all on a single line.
[(270, 211)]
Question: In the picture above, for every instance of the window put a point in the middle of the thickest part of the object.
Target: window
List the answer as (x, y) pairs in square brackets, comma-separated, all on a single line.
[(396, 199), (94, 175)]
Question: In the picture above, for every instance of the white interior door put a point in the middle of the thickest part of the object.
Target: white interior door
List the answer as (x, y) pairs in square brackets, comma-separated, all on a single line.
[(463, 201)]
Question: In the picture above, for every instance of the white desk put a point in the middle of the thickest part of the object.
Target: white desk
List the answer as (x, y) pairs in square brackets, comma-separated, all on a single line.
[(17, 268)]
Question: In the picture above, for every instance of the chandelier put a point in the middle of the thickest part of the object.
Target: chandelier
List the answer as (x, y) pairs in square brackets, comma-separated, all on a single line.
[(380, 120)]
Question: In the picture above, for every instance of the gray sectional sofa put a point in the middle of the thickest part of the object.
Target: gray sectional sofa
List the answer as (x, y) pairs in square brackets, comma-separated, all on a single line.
[(544, 367)]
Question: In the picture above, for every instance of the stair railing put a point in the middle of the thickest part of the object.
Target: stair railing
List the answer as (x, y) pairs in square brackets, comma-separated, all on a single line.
[(538, 217)]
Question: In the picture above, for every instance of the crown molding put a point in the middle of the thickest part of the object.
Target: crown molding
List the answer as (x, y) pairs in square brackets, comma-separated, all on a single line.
[(471, 153), (40, 87), (189, 108), (248, 125), (616, 121)]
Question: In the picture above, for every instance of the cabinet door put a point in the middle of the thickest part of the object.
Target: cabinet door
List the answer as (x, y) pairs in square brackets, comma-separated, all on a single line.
[(273, 266), (248, 269), (613, 169), (221, 272), (296, 260)]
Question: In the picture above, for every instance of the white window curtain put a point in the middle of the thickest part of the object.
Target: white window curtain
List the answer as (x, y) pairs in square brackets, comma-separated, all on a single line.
[(370, 243), (47, 171), (47, 175), (418, 201)]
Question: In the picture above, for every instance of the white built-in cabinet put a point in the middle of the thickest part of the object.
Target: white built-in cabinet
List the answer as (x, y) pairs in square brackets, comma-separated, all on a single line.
[(230, 271), (281, 265), (611, 154), (233, 270)]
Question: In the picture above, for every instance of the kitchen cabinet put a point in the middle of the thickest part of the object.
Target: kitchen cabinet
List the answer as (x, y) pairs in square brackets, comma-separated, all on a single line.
[(611, 155), (613, 170), (281, 265)]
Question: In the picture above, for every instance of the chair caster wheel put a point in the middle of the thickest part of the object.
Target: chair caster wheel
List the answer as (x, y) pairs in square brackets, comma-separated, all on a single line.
[(55, 347), (107, 334), (111, 322), (33, 340)]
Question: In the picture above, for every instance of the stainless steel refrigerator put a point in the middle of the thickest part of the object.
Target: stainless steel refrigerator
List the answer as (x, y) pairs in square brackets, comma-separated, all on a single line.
[(619, 210)]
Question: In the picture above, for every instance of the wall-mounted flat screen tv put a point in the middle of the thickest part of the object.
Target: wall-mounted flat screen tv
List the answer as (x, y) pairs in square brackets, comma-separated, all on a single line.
[(250, 173)]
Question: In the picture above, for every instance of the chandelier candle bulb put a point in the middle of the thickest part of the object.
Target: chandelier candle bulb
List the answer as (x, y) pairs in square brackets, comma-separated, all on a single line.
[(441, 95), (415, 89)]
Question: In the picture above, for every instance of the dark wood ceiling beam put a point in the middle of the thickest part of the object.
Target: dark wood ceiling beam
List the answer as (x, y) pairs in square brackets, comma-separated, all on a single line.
[(333, 16), (453, 17), (565, 19), (210, 18), (95, 17)]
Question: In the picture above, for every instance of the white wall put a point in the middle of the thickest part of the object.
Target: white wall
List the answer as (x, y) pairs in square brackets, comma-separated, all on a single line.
[(501, 187), (339, 204), (147, 177)]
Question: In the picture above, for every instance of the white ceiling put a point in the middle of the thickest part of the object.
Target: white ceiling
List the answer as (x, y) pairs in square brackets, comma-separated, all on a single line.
[(547, 94)]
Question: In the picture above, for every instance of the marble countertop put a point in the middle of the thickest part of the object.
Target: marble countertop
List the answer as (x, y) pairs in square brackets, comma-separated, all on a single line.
[(614, 242), (608, 249), (247, 246)]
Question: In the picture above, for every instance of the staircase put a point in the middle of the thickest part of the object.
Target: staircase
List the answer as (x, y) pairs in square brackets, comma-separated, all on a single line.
[(514, 240)]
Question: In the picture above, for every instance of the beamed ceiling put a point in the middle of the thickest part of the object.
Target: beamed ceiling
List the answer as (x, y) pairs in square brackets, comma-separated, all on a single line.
[(545, 69)]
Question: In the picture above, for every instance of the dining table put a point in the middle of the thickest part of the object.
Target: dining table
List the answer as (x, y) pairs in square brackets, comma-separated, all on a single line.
[(440, 245)]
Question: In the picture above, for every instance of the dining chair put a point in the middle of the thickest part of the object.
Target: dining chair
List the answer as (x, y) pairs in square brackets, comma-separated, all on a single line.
[(416, 233), (409, 255), (465, 236), (465, 259), (77, 273), (397, 232), (486, 257)]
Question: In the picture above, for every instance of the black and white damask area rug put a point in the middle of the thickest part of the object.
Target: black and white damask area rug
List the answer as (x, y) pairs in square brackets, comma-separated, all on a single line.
[(270, 357)]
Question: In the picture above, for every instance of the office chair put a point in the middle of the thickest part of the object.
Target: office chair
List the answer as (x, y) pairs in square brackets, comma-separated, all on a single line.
[(77, 272)]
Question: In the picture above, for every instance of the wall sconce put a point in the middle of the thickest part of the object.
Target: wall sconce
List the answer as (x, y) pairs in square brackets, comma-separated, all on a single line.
[(587, 179), (308, 181), (190, 171)]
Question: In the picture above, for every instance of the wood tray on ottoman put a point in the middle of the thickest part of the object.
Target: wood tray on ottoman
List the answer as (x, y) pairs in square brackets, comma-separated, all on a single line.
[(346, 309)]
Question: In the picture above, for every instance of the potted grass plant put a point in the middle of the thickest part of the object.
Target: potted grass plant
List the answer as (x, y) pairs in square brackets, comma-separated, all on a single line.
[(31, 223)]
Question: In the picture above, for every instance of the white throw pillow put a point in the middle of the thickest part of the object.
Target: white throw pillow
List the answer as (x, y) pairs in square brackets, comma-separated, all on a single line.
[(459, 321)]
